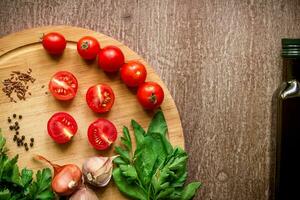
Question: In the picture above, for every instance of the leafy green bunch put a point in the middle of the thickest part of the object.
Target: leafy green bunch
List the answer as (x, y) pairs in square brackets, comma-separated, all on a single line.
[(155, 170), (16, 185)]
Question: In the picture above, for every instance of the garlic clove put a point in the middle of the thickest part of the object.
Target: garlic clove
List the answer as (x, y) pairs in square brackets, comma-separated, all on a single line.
[(98, 170), (84, 193)]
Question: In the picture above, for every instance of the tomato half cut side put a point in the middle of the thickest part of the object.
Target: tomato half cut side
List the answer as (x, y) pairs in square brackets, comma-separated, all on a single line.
[(62, 127), (63, 85), (102, 133), (100, 98)]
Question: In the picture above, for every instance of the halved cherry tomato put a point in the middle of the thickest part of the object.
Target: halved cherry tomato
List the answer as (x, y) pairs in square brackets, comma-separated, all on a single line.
[(150, 95), (54, 43), (133, 73), (63, 85), (100, 98), (62, 127), (110, 59), (102, 133), (88, 47)]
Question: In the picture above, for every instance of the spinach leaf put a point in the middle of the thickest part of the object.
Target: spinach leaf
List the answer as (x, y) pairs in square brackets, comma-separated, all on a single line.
[(139, 133), (158, 124), (129, 172), (155, 170), (132, 190), (190, 190), (126, 139), (144, 161)]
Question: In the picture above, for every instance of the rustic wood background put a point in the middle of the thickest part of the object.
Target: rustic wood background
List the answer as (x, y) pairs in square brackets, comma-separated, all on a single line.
[(221, 62)]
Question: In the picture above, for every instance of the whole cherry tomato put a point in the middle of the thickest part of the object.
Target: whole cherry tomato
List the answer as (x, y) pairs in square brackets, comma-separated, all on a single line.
[(110, 59), (150, 95), (88, 47), (133, 73), (54, 43)]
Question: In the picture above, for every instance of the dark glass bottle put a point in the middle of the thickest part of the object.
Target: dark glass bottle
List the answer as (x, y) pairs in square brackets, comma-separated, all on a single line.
[(288, 124)]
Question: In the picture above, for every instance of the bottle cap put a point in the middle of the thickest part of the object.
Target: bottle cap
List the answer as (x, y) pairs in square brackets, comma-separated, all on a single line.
[(290, 48)]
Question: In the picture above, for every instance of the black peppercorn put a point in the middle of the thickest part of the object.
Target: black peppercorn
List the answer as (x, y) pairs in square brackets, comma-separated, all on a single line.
[(17, 133), (25, 144), (32, 139), (9, 120), (14, 115), (16, 123), (31, 144), (20, 116), (11, 127), (23, 137), (26, 148)]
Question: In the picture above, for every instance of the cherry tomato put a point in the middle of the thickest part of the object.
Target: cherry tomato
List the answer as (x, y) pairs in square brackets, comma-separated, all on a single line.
[(54, 43), (133, 73), (63, 85), (150, 95), (102, 133), (110, 59), (88, 47), (62, 127), (100, 98)]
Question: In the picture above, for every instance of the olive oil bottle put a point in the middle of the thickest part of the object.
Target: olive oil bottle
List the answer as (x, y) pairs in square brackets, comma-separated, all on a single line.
[(288, 124)]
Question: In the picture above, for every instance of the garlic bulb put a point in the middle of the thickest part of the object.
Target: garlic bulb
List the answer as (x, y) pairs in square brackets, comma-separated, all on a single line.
[(97, 170), (84, 193)]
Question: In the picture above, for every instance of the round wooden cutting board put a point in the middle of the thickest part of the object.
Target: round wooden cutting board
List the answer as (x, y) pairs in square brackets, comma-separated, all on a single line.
[(23, 50)]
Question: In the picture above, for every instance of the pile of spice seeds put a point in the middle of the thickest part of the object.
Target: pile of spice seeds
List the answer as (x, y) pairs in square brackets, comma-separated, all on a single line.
[(19, 139), (16, 85)]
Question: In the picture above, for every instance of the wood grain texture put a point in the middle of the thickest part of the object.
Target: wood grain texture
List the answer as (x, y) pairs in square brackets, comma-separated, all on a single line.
[(221, 62)]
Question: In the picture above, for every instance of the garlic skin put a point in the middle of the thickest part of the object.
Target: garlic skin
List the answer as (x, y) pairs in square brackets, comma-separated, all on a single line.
[(84, 193), (97, 170)]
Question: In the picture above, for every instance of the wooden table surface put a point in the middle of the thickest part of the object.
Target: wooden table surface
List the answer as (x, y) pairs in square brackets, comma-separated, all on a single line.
[(221, 62)]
